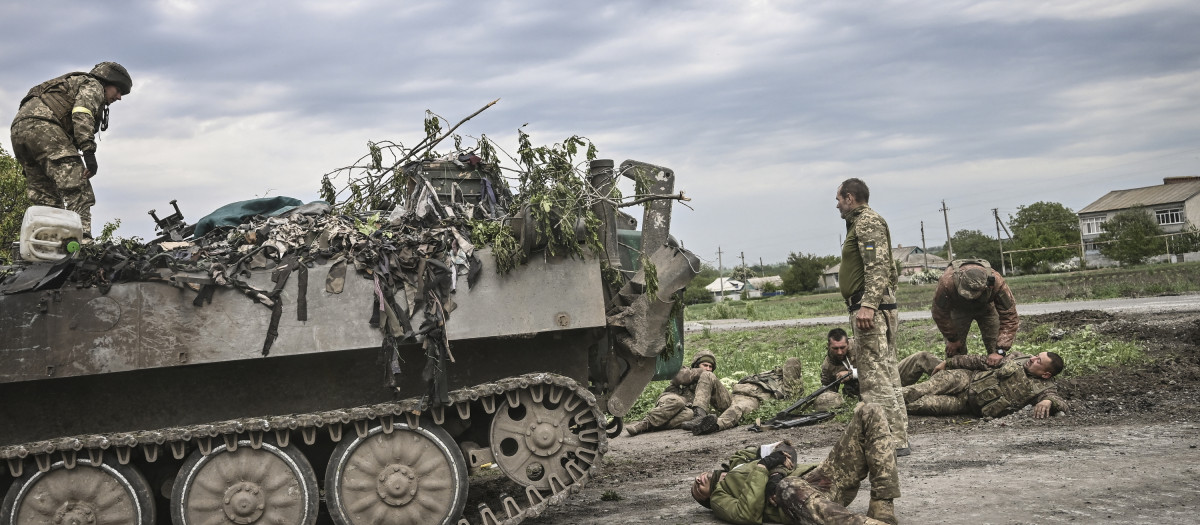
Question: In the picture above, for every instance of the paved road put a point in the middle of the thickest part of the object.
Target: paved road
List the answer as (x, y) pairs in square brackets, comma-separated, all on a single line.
[(1164, 304)]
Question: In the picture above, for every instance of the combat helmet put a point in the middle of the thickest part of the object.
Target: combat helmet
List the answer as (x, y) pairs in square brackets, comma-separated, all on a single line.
[(115, 74)]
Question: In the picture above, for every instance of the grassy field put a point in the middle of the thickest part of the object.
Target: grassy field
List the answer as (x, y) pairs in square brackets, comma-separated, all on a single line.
[(741, 353), (1139, 281)]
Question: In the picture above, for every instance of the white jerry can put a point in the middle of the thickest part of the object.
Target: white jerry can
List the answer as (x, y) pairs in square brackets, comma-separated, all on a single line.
[(49, 234)]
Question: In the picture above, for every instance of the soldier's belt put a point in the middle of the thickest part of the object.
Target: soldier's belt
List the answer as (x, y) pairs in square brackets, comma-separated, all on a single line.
[(854, 307)]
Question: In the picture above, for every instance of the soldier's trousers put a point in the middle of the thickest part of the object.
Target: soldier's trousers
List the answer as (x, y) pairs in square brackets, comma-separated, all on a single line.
[(944, 394), (865, 450), (911, 369), (711, 394), (878, 374), (914, 366), (989, 325), (747, 397), (52, 177), (670, 411)]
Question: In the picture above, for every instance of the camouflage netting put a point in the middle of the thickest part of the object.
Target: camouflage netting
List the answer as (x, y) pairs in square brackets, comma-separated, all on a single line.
[(390, 223)]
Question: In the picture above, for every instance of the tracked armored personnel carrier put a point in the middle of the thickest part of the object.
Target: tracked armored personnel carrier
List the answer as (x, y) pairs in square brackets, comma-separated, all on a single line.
[(359, 386)]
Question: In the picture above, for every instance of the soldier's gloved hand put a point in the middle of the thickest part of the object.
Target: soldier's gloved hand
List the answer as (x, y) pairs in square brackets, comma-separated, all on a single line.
[(994, 359), (774, 459), (89, 162)]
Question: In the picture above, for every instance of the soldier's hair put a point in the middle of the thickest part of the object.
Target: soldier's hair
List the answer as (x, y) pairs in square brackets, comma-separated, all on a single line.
[(857, 188), (837, 334), (1056, 363)]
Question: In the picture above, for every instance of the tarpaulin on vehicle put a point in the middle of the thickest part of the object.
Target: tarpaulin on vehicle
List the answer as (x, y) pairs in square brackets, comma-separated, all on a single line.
[(233, 214)]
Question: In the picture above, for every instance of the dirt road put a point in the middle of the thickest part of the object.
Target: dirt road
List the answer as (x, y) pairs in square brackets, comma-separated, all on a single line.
[(1128, 453)]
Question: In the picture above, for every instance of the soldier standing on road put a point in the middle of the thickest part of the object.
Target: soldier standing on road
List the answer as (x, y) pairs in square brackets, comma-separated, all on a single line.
[(781, 383), (970, 290), (868, 282), (762, 484), (839, 360), (966, 384), (56, 122), (693, 390)]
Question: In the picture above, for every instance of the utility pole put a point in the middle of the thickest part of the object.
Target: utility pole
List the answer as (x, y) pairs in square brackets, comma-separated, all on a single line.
[(762, 270), (1000, 224), (996, 214), (720, 273), (923, 246), (946, 218), (744, 261)]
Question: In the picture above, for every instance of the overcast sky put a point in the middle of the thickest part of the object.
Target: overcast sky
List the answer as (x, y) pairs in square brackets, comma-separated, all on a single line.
[(761, 108)]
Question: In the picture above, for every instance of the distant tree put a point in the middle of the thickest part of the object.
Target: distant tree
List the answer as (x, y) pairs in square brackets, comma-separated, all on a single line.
[(1188, 242), (1129, 237), (974, 244), (1043, 225), (13, 203), (804, 271), (741, 273), (695, 292)]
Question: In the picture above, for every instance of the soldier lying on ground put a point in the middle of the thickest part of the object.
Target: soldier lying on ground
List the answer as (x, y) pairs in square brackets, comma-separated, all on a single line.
[(689, 397), (760, 484), (780, 383), (970, 290), (965, 384), (839, 360)]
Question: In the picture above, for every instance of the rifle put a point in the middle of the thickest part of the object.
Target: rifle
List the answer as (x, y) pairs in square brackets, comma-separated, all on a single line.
[(785, 418)]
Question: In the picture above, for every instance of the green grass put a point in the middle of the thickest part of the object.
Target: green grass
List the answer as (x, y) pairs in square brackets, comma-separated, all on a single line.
[(1108, 283), (745, 352)]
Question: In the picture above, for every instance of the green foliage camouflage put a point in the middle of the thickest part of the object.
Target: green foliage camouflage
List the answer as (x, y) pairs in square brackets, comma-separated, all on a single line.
[(13, 203)]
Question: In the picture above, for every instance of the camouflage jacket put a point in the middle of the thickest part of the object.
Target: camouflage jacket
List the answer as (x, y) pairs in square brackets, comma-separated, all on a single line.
[(831, 369), (1003, 390), (771, 383), (867, 259), (740, 497), (946, 299), (81, 102), (684, 382)]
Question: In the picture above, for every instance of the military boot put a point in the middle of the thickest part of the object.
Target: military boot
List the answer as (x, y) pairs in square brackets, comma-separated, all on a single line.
[(697, 414), (707, 425), (882, 510), (637, 428)]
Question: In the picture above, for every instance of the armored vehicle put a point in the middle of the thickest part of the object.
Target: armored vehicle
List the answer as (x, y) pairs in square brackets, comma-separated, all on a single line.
[(327, 370)]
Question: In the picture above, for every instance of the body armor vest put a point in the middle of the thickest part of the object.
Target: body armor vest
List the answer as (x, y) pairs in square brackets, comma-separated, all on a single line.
[(1002, 391), (57, 95)]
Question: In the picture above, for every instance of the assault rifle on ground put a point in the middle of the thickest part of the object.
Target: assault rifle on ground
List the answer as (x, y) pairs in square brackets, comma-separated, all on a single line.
[(788, 417)]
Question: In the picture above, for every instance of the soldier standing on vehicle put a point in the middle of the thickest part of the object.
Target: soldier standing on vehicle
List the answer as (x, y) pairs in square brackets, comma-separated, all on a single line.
[(693, 393), (762, 484), (868, 283), (839, 360), (56, 122), (970, 290), (781, 383), (966, 384)]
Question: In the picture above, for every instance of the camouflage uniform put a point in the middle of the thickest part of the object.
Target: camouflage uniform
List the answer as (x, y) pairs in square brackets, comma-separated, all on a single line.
[(47, 143), (814, 494), (691, 387), (751, 391), (969, 386), (868, 279), (911, 369), (995, 309)]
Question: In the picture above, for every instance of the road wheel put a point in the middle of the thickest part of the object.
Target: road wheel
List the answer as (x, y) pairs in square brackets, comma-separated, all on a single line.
[(270, 484), (84, 495), (408, 476)]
